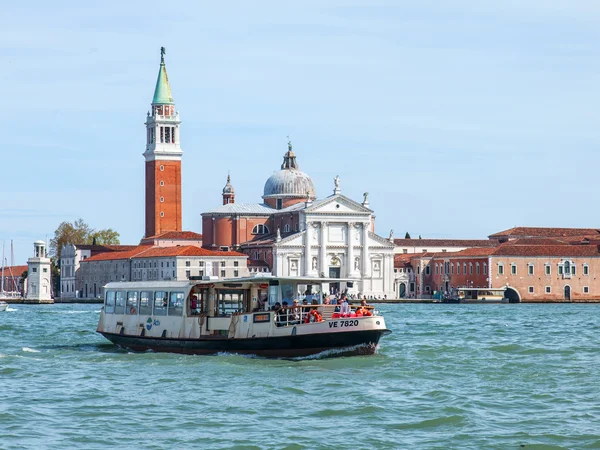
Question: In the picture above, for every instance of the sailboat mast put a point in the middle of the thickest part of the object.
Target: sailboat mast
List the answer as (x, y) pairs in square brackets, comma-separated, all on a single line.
[(2, 282)]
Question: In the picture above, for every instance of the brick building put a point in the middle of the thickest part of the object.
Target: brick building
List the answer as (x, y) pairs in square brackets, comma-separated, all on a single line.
[(534, 268)]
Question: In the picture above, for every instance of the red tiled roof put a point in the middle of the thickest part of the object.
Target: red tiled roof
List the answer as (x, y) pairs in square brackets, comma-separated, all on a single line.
[(15, 270), (257, 263), (185, 250), (119, 248), (547, 250), (537, 241), (148, 251), (475, 251), (112, 255), (424, 243), (546, 232), (177, 235)]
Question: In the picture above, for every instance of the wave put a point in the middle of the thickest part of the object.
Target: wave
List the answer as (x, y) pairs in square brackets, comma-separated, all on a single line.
[(30, 350), (452, 420), (9, 309)]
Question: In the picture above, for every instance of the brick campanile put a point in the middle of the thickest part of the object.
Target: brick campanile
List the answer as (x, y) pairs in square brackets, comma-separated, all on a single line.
[(163, 159)]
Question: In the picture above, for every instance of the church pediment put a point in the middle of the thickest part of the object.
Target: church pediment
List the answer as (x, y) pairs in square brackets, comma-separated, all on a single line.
[(296, 239), (378, 241), (337, 204)]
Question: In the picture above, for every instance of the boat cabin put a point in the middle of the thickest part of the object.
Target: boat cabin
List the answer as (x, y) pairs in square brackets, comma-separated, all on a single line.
[(481, 295)]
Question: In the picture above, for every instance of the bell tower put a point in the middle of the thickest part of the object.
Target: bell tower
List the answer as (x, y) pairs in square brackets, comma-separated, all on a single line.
[(163, 159), (228, 192)]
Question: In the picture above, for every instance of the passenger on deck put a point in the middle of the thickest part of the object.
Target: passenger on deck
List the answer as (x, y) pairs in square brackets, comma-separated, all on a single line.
[(294, 313), (326, 300), (363, 309), (345, 306), (282, 313), (194, 306)]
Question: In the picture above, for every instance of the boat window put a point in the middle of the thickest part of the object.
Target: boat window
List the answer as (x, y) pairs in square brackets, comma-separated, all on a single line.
[(176, 304), (273, 295), (110, 303), (310, 292), (230, 301), (160, 303), (120, 302), (132, 303), (146, 303), (287, 293)]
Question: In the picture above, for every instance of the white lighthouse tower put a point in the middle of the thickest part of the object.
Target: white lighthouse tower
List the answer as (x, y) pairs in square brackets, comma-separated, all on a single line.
[(38, 275)]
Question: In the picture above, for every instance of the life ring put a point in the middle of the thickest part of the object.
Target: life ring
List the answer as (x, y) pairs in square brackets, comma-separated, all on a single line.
[(132, 310), (313, 316), (363, 311)]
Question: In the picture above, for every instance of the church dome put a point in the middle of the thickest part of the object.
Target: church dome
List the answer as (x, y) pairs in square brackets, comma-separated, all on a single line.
[(290, 181)]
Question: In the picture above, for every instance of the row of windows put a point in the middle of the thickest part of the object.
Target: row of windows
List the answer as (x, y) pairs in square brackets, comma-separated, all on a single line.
[(263, 229), (188, 273), (144, 303), (448, 268), (564, 268), (140, 265), (65, 287), (151, 274), (548, 290)]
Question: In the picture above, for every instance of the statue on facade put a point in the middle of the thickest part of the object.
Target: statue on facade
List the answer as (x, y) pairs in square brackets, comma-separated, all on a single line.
[(366, 199), (314, 263), (278, 234), (162, 54), (289, 144), (336, 183), (392, 235)]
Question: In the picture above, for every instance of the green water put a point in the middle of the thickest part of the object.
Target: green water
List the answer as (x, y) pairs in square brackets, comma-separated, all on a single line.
[(450, 376)]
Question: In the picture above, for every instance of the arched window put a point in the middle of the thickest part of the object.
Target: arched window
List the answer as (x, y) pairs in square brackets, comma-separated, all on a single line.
[(286, 228), (260, 229)]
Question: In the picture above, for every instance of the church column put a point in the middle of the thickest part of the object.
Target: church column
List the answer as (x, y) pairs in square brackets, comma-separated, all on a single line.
[(307, 255), (323, 253), (366, 268), (350, 259)]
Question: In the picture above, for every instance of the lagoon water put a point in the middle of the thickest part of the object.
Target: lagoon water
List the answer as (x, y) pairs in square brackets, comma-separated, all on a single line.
[(450, 376)]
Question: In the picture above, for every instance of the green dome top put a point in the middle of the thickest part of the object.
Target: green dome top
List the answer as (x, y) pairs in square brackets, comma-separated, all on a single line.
[(162, 92)]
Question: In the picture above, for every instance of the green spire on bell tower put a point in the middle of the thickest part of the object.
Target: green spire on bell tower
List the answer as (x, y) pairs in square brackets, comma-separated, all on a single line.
[(162, 92)]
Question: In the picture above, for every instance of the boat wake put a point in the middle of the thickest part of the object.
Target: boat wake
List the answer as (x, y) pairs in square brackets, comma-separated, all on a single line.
[(355, 350)]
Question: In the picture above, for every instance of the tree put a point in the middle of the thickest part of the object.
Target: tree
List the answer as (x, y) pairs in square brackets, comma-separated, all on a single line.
[(407, 235), (106, 237), (79, 232)]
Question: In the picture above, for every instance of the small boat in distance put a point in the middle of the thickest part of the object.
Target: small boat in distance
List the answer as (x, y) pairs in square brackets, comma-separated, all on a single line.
[(253, 315), (3, 306), (478, 295)]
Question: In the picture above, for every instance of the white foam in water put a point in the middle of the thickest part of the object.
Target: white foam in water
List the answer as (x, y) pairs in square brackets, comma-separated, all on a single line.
[(9, 309), (31, 350)]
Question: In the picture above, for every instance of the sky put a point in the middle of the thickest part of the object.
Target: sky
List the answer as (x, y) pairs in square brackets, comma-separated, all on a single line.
[(460, 118)]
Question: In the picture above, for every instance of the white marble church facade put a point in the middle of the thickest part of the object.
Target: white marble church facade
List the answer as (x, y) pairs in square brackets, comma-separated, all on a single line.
[(336, 241)]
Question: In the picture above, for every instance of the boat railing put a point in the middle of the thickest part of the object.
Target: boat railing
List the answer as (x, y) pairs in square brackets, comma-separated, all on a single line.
[(305, 314)]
